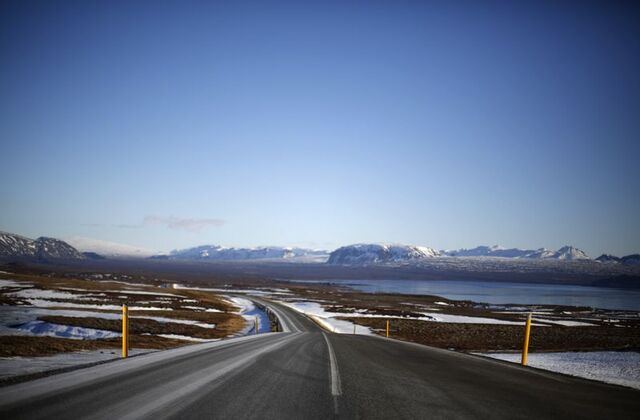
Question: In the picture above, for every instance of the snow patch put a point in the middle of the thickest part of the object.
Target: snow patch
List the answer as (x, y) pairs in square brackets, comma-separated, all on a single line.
[(621, 368), (185, 337), (41, 328), (566, 323), (250, 312), (49, 294), (328, 319), (10, 283), (461, 319)]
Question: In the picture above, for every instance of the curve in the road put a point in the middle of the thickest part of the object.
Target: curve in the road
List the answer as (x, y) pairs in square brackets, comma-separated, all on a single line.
[(307, 373)]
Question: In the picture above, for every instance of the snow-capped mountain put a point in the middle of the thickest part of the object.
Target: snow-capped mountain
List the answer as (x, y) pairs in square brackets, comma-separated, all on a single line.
[(216, 252), (569, 253), (490, 251), (362, 254), (16, 246), (564, 253), (106, 248), (541, 254)]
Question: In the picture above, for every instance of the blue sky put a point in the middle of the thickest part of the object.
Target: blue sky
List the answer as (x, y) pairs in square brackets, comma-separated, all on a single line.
[(444, 124)]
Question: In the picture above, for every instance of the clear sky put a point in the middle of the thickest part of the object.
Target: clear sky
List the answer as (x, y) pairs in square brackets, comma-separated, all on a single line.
[(444, 124)]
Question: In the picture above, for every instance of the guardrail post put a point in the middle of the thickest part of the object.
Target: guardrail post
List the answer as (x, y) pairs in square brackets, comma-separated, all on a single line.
[(387, 328), (125, 331), (525, 346)]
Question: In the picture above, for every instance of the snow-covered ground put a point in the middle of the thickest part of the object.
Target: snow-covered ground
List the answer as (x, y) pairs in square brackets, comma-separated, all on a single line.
[(461, 319), (621, 368), (42, 328), (33, 293), (566, 323), (328, 319), (14, 366), (23, 319), (250, 312), (10, 283), (322, 316), (267, 291)]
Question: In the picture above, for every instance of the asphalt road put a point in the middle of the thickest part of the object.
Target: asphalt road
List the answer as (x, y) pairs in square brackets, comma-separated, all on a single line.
[(306, 373)]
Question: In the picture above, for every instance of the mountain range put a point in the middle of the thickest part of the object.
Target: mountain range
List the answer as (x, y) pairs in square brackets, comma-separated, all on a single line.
[(216, 252), (14, 246), (564, 253), (359, 254), (43, 248)]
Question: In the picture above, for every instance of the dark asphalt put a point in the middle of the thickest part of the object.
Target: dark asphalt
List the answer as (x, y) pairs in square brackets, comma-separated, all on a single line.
[(306, 373)]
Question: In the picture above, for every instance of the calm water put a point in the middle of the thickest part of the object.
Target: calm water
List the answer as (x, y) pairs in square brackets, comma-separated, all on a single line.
[(502, 292)]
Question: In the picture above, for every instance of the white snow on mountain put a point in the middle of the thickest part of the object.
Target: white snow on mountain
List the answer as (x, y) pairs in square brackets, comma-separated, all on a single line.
[(216, 252), (490, 251), (564, 253), (570, 253), (362, 254), (107, 248), (43, 248)]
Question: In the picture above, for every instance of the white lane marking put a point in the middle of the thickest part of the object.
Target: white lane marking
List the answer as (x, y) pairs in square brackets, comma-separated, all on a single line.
[(336, 389), (162, 396)]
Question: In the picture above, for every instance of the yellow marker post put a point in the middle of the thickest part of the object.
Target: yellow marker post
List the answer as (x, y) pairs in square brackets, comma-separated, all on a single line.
[(387, 328), (125, 331), (525, 346), (256, 327)]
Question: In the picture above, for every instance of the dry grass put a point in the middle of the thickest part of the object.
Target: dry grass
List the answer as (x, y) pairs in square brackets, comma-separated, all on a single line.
[(138, 326), (29, 346), (493, 337), (115, 293)]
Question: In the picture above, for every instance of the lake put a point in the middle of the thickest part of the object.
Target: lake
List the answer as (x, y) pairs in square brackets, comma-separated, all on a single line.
[(494, 292)]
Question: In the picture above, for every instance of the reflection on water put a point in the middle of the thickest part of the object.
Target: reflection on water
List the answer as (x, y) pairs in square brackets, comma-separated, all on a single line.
[(503, 292)]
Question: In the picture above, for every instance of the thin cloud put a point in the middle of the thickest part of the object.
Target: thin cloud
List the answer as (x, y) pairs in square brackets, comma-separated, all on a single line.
[(190, 225), (126, 226)]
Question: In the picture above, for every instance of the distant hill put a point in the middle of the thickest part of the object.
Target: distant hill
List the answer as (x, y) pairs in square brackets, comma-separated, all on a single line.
[(363, 254), (107, 248), (490, 251), (564, 253), (93, 256), (14, 246), (633, 259), (216, 252)]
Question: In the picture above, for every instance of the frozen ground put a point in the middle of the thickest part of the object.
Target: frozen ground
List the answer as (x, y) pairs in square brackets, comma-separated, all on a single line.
[(461, 319), (328, 319), (267, 291), (250, 312), (15, 366), (23, 319), (42, 328), (621, 368)]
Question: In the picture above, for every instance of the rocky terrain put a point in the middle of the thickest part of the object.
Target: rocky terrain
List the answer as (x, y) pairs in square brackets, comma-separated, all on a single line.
[(16, 246)]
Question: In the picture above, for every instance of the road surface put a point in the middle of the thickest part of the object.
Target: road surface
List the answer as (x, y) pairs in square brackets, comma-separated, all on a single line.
[(307, 373)]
